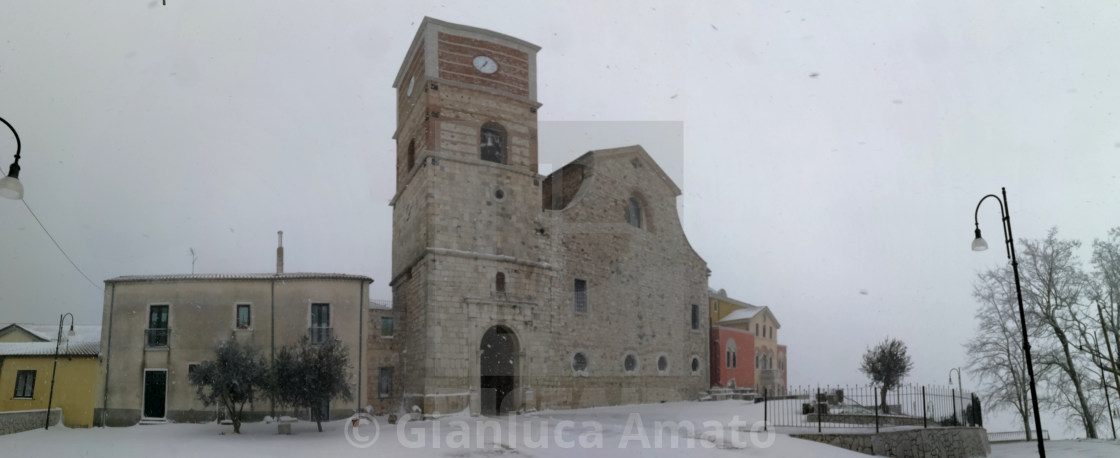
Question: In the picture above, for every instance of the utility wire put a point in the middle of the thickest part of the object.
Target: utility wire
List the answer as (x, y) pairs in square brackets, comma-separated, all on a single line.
[(60, 250)]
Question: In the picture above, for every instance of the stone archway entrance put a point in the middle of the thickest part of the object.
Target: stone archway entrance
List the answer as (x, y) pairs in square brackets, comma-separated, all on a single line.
[(498, 370)]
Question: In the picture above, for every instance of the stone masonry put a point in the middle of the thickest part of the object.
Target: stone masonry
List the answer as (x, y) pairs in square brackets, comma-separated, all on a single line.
[(958, 442), (490, 259), (26, 420)]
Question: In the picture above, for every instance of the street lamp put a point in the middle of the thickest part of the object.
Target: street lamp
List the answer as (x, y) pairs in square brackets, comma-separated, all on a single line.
[(10, 186), (960, 391), (1009, 243), (58, 342)]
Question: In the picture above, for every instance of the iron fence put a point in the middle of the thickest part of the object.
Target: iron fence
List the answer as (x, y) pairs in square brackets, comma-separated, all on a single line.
[(156, 337), (866, 407), (1015, 436)]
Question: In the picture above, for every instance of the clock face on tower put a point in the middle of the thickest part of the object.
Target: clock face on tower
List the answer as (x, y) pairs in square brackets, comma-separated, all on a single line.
[(485, 64)]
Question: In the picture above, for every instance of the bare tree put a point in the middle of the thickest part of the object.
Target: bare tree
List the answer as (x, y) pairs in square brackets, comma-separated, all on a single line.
[(997, 358), (886, 365), (1054, 287), (1106, 296)]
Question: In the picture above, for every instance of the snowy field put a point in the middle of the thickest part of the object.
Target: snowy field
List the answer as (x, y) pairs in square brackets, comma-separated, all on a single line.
[(698, 429), (1059, 449), (654, 430)]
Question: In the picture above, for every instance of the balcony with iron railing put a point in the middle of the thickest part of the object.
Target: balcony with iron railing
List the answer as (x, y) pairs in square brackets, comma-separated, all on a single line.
[(157, 338), (319, 335)]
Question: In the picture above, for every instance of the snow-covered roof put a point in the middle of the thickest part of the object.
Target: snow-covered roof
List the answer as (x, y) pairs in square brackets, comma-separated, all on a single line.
[(744, 311), (741, 314), (380, 304), (49, 332), (749, 312), (68, 348), (86, 340), (272, 276)]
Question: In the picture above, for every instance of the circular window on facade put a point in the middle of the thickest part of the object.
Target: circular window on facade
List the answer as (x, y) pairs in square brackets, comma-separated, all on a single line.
[(579, 362), (499, 194), (662, 363), (630, 363), (695, 364)]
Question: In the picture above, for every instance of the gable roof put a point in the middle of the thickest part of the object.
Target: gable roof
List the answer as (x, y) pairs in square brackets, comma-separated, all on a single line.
[(86, 340), (638, 151), (26, 334), (744, 314), (744, 310)]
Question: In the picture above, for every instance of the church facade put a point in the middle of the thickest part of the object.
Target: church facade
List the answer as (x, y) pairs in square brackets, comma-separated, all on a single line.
[(517, 291)]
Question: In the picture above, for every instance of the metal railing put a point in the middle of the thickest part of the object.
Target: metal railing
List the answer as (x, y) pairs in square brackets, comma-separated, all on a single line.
[(157, 338), (863, 406), (1014, 436), (319, 335)]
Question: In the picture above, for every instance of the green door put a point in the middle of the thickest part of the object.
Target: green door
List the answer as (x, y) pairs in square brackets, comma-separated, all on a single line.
[(155, 394)]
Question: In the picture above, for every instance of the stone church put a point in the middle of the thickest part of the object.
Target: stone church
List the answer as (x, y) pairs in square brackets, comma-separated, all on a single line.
[(517, 291)]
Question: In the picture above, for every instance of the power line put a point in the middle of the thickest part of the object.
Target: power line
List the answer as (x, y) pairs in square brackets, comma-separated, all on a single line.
[(60, 250)]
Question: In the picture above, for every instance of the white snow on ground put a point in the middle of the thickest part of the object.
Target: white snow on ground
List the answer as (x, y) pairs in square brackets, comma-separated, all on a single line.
[(618, 431), (717, 429), (1059, 449)]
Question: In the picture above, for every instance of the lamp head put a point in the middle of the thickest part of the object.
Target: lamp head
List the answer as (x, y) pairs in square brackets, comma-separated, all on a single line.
[(71, 333), (979, 244), (10, 187)]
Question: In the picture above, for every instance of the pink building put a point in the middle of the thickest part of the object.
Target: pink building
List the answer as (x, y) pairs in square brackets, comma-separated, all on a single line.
[(743, 345), (732, 357)]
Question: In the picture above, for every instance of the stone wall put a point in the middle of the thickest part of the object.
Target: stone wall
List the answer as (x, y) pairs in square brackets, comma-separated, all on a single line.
[(912, 443), (26, 420), (868, 419)]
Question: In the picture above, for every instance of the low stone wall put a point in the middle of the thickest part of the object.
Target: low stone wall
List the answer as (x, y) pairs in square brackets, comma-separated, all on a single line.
[(912, 443), (26, 420), (863, 419)]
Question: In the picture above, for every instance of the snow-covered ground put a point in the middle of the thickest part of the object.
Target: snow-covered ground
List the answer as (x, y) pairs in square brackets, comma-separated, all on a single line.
[(654, 430), (1059, 449)]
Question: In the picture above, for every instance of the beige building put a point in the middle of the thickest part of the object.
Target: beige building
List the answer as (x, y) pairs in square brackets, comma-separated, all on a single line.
[(156, 327), (513, 290), (753, 331)]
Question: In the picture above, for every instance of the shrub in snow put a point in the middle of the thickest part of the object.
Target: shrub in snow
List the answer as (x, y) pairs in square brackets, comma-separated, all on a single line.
[(307, 376), (230, 379), (886, 365)]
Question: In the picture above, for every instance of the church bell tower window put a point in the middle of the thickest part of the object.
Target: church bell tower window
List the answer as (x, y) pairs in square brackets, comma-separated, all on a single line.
[(492, 143)]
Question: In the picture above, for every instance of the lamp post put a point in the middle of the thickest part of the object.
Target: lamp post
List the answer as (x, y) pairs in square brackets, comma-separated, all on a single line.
[(1009, 243), (50, 399), (960, 391), (10, 186)]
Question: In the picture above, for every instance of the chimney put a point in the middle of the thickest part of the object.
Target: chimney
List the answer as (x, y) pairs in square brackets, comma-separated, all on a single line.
[(280, 253)]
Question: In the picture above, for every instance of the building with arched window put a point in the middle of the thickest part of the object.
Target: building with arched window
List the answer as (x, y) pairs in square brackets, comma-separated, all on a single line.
[(506, 301), (754, 330)]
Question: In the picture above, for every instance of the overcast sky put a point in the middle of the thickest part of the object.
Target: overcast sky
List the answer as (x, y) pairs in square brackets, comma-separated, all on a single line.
[(828, 147)]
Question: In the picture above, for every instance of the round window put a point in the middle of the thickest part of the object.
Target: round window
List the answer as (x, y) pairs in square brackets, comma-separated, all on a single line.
[(695, 364), (662, 363), (579, 362), (499, 194), (630, 363)]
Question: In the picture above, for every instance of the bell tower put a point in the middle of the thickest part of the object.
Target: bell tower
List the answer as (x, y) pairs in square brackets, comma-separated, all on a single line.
[(467, 205)]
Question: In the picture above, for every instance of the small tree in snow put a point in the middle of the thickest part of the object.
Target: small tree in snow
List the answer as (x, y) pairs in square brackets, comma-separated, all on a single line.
[(307, 376), (230, 379), (886, 365)]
